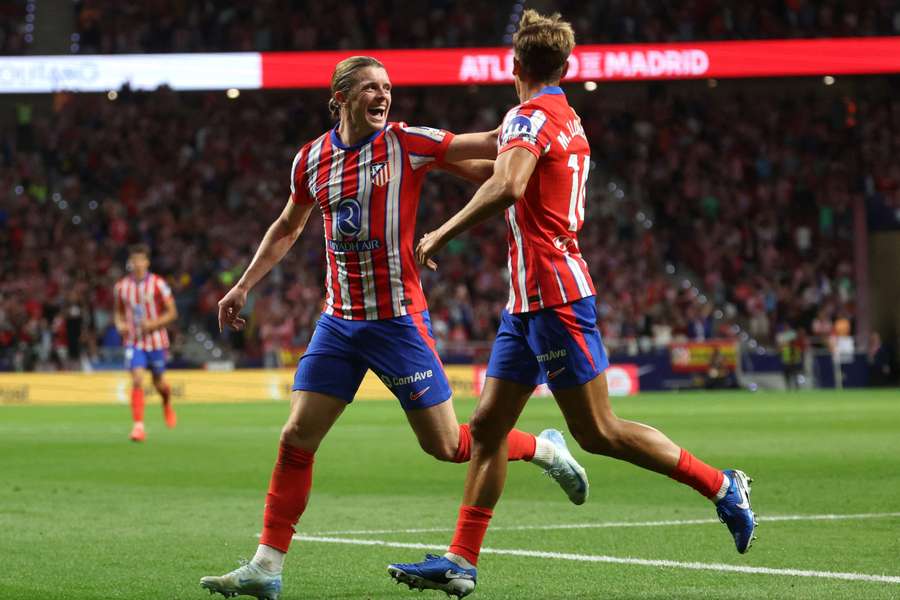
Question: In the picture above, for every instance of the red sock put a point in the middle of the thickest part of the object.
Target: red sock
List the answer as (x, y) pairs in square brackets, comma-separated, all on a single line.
[(521, 445), (470, 529), (288, 493), (166, 394), (137, 404), (694, 472)]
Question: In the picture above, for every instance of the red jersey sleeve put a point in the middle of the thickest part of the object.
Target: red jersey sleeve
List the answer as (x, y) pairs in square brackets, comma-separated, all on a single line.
[(426, 146), (163, 289), (299, 184), (525, 127)]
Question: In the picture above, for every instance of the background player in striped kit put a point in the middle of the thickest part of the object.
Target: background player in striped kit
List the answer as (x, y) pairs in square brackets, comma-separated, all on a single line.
[(365, 175), (144, 306), (548, 331)]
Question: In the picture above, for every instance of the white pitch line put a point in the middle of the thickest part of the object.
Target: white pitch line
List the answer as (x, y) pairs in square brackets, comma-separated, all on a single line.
[(608, 524), (675, 564)]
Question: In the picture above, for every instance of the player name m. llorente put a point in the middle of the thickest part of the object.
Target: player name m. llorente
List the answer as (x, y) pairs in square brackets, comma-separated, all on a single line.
[(572, 130)]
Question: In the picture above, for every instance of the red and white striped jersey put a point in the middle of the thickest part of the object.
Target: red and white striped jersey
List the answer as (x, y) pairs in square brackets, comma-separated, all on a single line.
[(369, 195), (545, 264), (143, 300)]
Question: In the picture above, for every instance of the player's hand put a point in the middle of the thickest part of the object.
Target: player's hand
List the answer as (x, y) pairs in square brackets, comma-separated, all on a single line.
[(427, 247), (230, 308)]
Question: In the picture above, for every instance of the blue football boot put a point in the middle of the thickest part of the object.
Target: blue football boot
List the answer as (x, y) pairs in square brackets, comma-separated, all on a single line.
[(435, 573), (734, 510)]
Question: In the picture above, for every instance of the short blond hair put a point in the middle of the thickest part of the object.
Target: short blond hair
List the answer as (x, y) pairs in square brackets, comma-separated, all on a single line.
[(543, 45), (344, 77)]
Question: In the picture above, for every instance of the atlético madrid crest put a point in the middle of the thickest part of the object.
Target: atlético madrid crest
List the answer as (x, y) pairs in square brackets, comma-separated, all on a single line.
[(381, 173)]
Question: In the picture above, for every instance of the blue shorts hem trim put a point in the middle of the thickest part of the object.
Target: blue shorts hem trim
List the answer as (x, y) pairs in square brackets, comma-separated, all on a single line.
[(327, 392), (567, 385), (408, 408), (511, 378)]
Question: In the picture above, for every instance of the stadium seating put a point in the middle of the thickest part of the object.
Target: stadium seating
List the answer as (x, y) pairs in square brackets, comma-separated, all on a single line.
[(677, 184)]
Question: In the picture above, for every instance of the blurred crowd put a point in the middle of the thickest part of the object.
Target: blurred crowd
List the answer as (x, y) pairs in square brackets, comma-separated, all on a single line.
[(12, 27), (712, 213), (685, 20), (109, 26)]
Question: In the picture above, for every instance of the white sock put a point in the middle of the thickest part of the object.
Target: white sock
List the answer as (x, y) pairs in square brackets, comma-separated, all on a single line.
[(544, 453), (269, 559), (458, 560), (726, 483)]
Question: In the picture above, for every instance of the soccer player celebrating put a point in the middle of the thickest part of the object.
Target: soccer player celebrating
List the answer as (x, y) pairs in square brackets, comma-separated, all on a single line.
[(365, 176), (548, 331), (144, 306)]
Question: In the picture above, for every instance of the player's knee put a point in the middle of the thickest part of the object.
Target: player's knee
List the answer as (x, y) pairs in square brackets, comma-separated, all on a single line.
[(443, 450), (484, 433), (603, 437), (294, 434)]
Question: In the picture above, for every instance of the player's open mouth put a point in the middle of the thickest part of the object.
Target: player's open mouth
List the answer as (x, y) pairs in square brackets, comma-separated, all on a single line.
[(378, 112)]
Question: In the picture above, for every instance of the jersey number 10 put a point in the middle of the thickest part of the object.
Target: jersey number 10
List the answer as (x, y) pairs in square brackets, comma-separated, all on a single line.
[(576, 198)]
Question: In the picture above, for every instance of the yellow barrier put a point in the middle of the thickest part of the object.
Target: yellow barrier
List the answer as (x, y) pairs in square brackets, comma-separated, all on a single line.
[(251, 385)]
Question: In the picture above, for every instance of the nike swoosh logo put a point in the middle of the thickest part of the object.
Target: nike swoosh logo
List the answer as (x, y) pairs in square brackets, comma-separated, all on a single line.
[(453, 575), (415, 396), (555, 373), (743, 505)]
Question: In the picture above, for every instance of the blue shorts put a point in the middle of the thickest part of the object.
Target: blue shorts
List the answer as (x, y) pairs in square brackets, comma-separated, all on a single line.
[(400, 351), (559, 346), (155, 360)]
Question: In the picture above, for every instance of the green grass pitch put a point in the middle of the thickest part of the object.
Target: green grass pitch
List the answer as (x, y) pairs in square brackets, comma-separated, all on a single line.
[(85, 514)]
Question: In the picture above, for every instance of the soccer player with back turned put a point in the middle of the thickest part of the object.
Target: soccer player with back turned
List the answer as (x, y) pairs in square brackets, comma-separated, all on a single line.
[(548, 331)]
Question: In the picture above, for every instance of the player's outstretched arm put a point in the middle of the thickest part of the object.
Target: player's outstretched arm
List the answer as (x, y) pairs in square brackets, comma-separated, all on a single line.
[(475, 170), (466, 146), (278, 240), (512, 170)]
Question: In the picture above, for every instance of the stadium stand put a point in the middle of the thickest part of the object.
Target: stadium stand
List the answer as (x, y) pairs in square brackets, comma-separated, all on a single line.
[(13, 27), (704, 209), (107, 26)]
